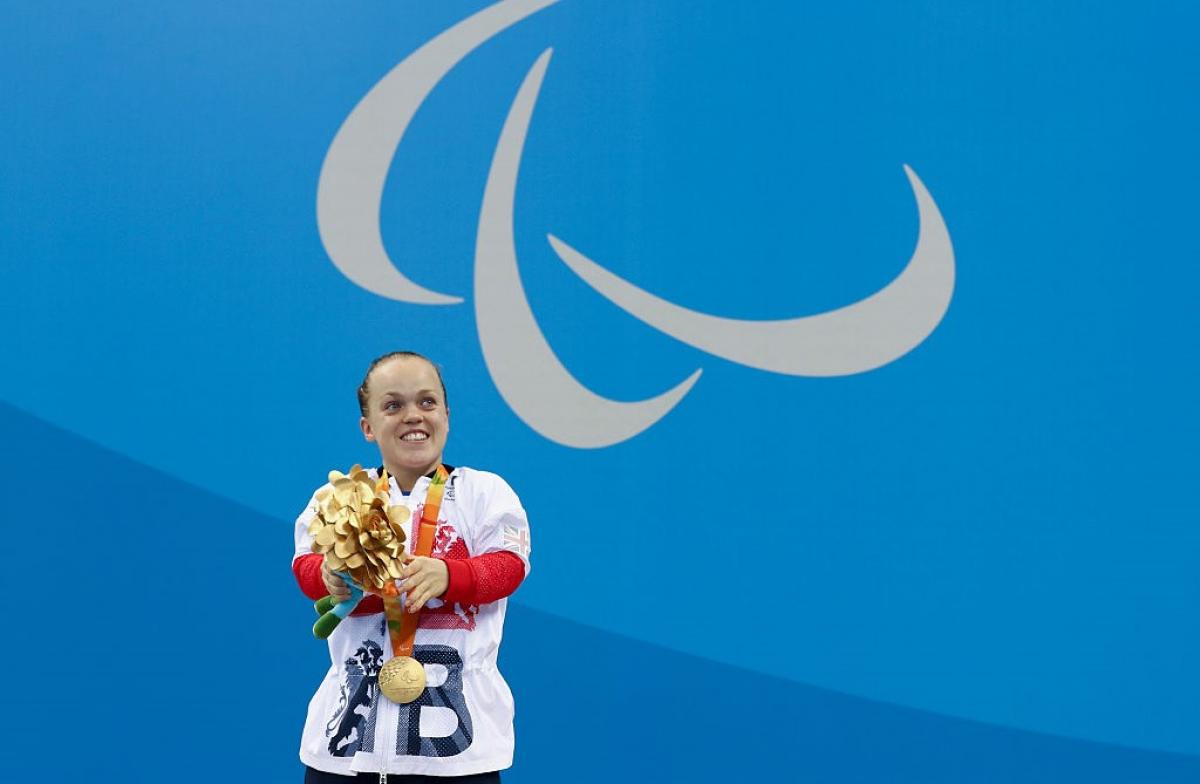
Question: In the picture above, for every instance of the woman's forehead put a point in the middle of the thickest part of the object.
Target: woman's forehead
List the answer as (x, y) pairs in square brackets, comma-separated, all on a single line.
[(404, 374)]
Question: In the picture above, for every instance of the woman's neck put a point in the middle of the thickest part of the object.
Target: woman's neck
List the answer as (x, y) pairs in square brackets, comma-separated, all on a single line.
[(407, 478)]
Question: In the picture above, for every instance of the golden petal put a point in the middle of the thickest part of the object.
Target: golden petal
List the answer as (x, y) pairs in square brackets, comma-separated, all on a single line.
[(325, 536), (393, 569), (315, 525), (323, 493), (343, 489), (355, 561), (345, 548), (398, 514), (335, 475), (334, 563)]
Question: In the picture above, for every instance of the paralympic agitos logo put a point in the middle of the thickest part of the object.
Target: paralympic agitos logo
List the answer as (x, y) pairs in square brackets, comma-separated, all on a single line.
[(858, 337)]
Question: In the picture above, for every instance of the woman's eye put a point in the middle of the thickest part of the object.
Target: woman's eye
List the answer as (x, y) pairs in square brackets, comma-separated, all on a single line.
[(429, 402), (391, 406)]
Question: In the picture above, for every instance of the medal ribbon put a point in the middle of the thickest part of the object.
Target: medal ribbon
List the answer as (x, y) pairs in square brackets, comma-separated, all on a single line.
[(402, 626)]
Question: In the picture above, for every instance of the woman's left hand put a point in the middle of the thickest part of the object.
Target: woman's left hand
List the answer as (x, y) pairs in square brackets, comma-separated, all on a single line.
[(423, 579)]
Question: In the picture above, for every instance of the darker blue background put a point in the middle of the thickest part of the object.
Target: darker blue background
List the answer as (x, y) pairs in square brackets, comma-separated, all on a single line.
[(143, 670)]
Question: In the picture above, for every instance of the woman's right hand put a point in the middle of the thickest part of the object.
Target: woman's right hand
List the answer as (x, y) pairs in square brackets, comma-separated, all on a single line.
[(335, 585)]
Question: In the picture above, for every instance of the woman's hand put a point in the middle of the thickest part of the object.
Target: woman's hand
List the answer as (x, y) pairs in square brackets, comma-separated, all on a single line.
[(335, 585), (423, 579)]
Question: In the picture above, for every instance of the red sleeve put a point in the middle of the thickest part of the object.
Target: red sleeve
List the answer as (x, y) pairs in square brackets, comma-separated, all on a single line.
[(483, 578), (307, 569), (478, 580)]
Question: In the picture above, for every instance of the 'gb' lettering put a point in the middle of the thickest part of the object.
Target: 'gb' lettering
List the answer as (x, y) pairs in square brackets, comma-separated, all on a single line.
[(443, 707)]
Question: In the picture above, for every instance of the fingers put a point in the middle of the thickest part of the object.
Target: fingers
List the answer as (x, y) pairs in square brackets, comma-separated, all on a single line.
[(414, 588), (423, 579), (417, 600), (335, 585), (421, 594), (412, 566)]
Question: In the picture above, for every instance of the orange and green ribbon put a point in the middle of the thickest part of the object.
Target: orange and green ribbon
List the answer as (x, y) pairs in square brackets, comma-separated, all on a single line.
[(402, 626)]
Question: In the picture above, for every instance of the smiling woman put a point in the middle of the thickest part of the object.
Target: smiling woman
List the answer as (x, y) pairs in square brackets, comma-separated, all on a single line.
[(408, 417), (439, 625)]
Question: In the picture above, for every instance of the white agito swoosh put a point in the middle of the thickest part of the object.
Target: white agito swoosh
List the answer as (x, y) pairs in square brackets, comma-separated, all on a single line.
[(540, 390), (350, 188), (852, 339)]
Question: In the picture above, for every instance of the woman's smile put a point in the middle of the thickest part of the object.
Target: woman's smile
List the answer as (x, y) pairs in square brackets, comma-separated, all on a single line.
[(405, 398)]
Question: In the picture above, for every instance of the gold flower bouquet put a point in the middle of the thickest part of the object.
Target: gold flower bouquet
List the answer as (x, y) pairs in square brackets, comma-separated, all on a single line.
[(361, 538)]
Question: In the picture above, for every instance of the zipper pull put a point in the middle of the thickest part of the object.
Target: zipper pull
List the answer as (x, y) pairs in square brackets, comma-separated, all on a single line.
[(383, 777)]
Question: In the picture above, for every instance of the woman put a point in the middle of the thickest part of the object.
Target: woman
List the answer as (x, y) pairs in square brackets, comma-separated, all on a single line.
[(461, 724)]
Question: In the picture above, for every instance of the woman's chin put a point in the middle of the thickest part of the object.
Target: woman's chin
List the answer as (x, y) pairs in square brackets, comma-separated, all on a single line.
[(417, 465)]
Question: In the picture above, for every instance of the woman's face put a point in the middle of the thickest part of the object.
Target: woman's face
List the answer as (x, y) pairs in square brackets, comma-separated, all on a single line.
[(406, 417)]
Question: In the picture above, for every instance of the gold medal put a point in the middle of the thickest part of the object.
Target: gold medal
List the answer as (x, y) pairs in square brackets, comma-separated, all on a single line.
[(402, 679)]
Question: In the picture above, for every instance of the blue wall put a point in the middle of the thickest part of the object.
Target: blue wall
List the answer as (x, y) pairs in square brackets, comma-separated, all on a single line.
[(976, 562)]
